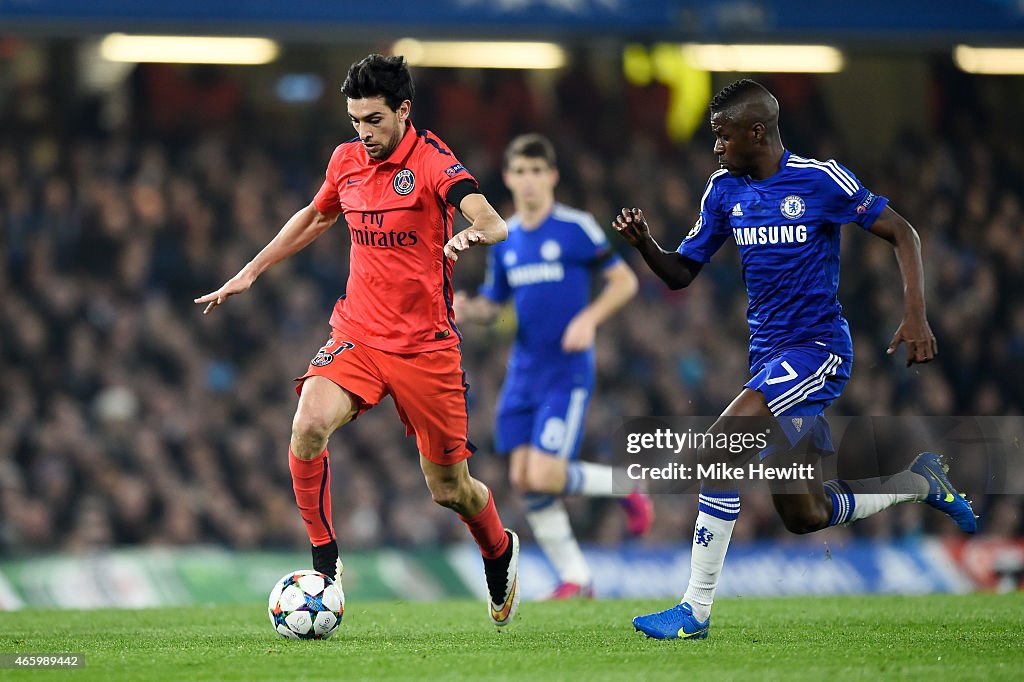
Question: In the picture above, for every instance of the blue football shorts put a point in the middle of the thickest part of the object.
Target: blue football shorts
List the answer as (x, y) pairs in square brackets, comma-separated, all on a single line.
[(798, 383), (548, 418)]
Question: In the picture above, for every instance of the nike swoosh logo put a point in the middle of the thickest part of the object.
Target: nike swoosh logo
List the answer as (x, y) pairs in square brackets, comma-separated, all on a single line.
[(351, 182), (682, 634), (449, 451), (949, 493), (502, 614)]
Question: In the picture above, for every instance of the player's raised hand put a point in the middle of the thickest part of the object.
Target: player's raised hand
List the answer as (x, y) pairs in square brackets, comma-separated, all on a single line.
[(235, 285), (462, 241), (921, 345), (632, 226)]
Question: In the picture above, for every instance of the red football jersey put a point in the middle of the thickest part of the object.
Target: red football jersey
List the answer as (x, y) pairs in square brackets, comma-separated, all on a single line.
[(399, 293)]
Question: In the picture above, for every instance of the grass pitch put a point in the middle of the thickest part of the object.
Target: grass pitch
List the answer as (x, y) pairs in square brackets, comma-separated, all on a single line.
[(933, 637)]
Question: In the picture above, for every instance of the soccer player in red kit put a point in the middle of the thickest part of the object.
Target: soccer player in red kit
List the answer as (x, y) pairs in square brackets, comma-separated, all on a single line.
[(393, 332)]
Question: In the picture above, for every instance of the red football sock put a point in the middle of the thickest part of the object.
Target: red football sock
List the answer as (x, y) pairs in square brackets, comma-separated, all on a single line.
[(311, 481), (488, 530)]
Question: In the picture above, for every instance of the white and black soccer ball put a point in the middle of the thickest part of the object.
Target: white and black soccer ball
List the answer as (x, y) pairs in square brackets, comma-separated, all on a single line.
[(306, 605)]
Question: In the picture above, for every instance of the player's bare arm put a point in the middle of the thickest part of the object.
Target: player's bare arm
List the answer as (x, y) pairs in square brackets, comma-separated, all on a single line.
[(301, 230), (675, 270), (486, 226), (620, 286), (914, 329)]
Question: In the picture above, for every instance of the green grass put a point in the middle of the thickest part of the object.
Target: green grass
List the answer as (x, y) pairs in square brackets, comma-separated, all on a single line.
[(935, 637)]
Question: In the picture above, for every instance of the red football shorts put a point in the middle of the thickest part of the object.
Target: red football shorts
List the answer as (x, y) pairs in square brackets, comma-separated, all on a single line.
[(429, 390)]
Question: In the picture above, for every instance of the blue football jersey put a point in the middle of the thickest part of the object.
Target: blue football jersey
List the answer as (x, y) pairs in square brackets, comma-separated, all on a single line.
[(547, 273), (787, 229)]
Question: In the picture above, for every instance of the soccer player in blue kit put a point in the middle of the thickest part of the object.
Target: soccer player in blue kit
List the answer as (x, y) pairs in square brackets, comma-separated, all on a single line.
[(785, 212), (545, 267)]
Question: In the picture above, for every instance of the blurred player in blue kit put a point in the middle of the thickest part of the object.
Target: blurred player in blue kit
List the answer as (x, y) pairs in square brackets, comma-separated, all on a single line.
[(785, 212), (545, 267)]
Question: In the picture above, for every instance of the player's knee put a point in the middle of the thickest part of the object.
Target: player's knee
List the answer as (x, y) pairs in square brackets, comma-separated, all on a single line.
[(804, 520), (517, 477), (538, 480), (309, 434)]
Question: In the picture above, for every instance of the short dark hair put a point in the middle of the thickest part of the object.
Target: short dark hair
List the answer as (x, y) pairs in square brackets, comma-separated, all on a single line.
[(532, 145), (379, 76), (736, 92)]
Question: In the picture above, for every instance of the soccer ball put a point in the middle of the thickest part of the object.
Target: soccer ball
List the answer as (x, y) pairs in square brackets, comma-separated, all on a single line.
[(306, 605)]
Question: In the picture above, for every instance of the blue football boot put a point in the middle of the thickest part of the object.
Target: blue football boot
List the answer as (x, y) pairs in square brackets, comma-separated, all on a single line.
[(677, 622), (941, 493)]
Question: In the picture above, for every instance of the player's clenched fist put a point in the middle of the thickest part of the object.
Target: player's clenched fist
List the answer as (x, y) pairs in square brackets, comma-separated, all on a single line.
[(630, 223)]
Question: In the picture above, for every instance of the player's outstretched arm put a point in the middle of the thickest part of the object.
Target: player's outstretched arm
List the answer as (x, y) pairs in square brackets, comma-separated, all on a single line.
[(676, 270), (913, 329), (301, 229), (486, 226)]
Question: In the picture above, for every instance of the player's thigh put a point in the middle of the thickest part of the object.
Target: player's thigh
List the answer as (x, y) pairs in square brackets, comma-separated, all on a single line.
[(324, 406), (745, 420), (518, 463), (749, 403), (534, 471), (746, 414), (340, 383), (429, 390), (546, 471)]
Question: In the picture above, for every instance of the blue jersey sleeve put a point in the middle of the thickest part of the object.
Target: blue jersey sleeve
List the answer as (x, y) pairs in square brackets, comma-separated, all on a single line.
[(712, 227), (848, 201), (495, 286), (593, 244)]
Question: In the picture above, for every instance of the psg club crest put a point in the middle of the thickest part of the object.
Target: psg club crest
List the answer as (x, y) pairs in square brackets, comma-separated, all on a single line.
[(792, 207), (325, 355), (404, 182), (322, 359)]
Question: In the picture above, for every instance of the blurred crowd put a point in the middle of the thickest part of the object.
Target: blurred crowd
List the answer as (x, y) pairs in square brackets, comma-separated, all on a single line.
[(129, 418)]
